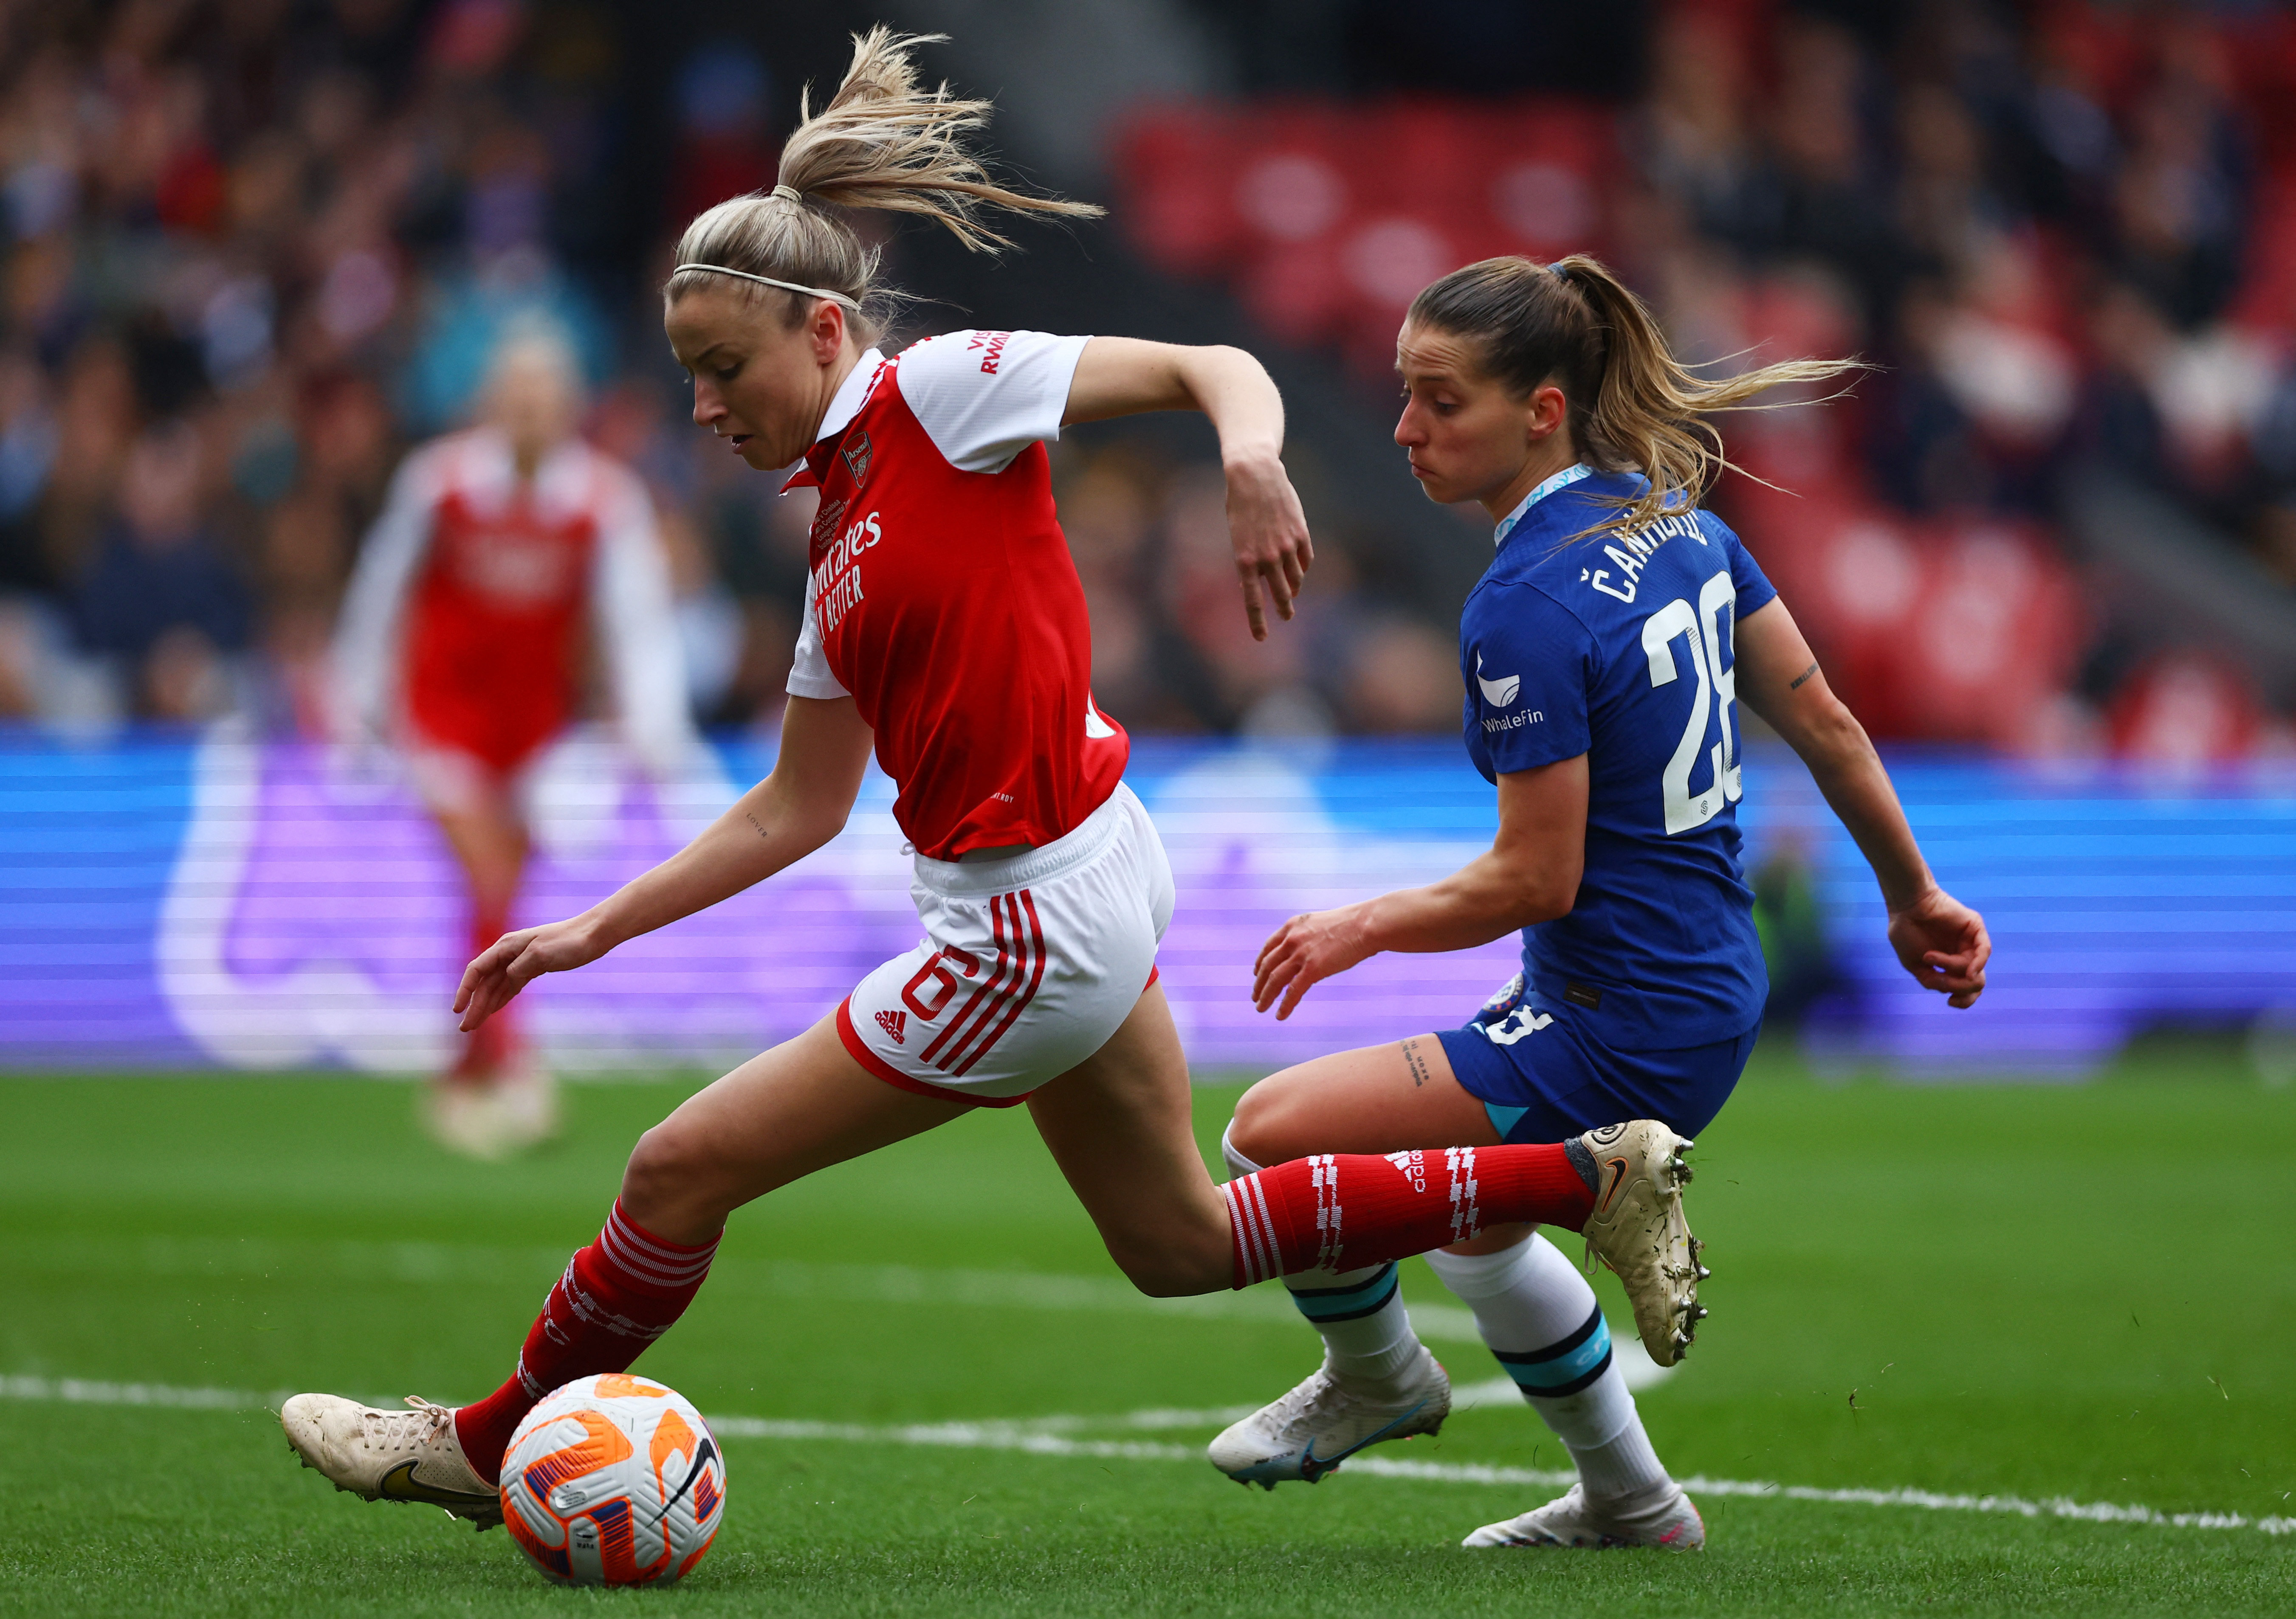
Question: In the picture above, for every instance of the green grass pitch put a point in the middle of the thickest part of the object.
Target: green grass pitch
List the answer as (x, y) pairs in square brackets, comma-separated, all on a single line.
[(2049, 1292)]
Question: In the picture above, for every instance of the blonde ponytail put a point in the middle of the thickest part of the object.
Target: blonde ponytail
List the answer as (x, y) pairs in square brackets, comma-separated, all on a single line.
[(883, 142), (1632, 406)]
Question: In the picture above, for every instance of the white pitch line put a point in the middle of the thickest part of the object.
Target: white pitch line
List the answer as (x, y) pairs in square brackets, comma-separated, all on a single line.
[(438, 1264), (1051, 1436)]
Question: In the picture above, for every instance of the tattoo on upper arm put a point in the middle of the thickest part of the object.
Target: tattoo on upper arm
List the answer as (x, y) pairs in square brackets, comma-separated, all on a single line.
[(1795, 684), (1420, 1073), (750, 817)]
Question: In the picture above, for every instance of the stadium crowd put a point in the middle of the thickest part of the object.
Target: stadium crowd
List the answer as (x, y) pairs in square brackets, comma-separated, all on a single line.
[(255, 248)]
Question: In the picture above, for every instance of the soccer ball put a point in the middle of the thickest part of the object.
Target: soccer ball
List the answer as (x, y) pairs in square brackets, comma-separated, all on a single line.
[(613, 1481)]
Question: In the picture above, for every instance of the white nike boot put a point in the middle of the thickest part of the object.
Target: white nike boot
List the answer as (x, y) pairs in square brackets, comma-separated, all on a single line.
[(1637, 1229), (390, 1456), (1310, 1431), (1667, 1521)]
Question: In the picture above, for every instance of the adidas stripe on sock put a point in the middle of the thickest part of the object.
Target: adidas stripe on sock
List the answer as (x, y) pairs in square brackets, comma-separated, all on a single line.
[(1345, 1211), (616, 1297)]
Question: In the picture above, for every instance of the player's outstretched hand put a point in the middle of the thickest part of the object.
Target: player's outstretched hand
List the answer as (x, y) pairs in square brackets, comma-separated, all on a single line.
[(1303, 951), (1273, 553), (1944, 944), (516, 960)]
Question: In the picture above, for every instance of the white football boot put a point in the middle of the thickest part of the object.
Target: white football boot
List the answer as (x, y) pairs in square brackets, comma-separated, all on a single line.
[(1637, 1230), (1310, 1431), (464, 1118), (390, 1456), (495, 1118), (1669, 1523), (526, 1101)]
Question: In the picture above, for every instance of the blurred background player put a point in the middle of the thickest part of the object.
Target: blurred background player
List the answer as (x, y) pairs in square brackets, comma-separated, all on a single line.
[(502, 554)]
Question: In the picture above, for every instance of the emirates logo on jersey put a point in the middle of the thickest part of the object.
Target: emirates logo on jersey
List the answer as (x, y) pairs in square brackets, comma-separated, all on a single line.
[(857, 451)]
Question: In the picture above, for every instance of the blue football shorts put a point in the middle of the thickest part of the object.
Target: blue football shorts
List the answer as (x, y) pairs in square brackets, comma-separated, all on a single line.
[(1542, 1078)]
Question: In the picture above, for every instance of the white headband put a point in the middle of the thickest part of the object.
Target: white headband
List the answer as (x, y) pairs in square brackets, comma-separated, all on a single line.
[(786, 286)]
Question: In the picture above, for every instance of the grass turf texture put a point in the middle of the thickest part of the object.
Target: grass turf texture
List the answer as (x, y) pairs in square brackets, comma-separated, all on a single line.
[(2037, 1290)]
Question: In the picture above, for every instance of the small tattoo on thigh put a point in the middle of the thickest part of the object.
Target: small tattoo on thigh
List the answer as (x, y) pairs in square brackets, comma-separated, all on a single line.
[(1420, 1071)]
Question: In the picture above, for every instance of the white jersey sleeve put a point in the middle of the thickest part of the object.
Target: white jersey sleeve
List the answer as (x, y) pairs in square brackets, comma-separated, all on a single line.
[(984, 397), (368, 635), (809, 675), (632, 602)]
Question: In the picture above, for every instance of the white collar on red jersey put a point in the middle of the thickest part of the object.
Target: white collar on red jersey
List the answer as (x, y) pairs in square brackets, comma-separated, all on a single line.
[(844, 407), (850, 393)]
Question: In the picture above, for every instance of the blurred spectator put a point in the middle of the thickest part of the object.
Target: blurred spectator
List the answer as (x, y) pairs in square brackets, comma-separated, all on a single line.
[(156, 596), (2068, 232), (2185, 710), (289, 237)]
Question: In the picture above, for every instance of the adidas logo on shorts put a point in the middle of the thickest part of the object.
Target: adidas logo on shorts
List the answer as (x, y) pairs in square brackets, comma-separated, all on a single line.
[(895, 1024)]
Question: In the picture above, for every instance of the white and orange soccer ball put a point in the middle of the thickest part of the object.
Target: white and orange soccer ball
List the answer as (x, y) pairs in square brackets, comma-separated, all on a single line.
[(613, 1481)]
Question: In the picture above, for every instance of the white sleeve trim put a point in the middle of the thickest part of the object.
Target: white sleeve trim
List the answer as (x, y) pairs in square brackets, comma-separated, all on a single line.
[(368, 636), (637, 623), (809, 675), (984, 397)]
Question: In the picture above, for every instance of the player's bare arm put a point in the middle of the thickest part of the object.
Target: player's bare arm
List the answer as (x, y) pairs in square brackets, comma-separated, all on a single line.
[(1529, 875), (1941, 941), (1127, 376), (799, 806)]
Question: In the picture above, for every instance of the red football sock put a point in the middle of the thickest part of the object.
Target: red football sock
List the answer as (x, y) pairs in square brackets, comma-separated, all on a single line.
[(618, 1295), (1341, 1211), (485, 1054)]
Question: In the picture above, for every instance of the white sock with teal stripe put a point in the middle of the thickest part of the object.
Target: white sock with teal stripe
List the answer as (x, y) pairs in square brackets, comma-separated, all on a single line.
[(1367, 1335), (1541, 1320)]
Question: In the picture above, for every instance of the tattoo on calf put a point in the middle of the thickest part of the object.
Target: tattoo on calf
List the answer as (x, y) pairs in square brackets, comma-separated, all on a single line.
[(1796, 684), (1420, 1071)]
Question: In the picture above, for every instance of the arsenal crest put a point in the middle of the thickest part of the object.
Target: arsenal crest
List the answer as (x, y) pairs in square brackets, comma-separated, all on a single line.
[(856, 454)]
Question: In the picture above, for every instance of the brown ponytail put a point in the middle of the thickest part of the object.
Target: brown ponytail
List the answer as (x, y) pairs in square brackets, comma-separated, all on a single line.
[(883, 142), (1632, 406)]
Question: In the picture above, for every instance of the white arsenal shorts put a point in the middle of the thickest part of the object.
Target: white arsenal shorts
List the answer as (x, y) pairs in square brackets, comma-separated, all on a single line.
[(1026, 967)]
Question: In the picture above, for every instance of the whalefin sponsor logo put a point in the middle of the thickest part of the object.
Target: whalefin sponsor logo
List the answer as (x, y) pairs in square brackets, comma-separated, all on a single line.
[(1500, 692)]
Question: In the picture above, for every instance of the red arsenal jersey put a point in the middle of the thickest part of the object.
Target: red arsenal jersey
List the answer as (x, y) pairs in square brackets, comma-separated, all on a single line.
[(942, 597), (475, 594), (494, 635)]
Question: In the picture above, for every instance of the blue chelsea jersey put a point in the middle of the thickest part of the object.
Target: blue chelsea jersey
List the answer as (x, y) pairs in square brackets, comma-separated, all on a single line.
[(1621, 646)]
